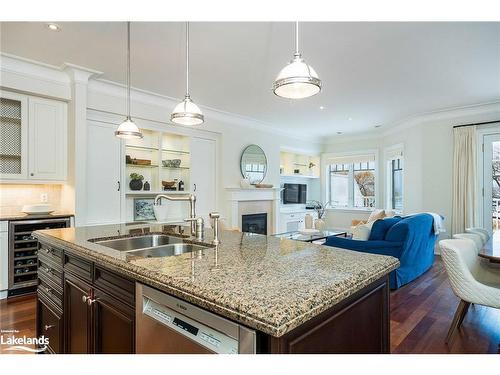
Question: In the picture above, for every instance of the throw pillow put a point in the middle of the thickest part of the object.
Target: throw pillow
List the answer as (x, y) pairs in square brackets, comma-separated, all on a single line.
[(362, 232), (375, 215), (381, 226), (390, 213)]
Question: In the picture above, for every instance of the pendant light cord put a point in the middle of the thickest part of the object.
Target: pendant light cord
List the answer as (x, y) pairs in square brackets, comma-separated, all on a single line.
[(128, 70), (297, 38), (187, 58)]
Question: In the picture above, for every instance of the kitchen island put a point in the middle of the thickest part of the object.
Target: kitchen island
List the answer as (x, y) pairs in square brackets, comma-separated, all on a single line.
[(298, 297)]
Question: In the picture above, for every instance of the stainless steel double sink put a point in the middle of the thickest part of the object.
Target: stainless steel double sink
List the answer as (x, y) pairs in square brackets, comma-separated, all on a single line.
[(151, 246)]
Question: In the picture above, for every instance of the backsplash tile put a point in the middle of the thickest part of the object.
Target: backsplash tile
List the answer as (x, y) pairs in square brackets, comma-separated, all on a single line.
[(13, 197)]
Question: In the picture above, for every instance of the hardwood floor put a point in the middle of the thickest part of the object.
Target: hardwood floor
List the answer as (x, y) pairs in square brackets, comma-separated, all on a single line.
[(17, 314), (421, 313)]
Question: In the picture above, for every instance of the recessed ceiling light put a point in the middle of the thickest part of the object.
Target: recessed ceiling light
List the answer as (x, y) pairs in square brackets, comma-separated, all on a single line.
[(350, 118), (53, 27), (321, 107), (339, 133), (378, 126)]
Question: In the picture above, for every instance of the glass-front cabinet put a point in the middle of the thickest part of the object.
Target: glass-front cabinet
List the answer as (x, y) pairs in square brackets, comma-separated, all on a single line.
[(13, 136), (33, 139)]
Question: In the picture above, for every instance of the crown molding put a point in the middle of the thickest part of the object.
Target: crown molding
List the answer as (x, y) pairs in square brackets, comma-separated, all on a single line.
[(450, 114), (117, 90), (79, 74)]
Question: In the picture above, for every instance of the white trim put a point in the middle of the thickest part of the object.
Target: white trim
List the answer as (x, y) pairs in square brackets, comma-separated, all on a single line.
[(422, 119), (139, 96)]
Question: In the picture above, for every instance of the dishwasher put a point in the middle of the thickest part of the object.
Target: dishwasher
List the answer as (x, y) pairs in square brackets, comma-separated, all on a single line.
[(168, 325)]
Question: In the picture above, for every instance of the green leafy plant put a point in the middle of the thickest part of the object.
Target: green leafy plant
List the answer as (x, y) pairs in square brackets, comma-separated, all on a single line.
[(136, 176)]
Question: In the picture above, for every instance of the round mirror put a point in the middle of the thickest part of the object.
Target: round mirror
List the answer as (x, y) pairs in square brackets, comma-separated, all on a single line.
[(253, 164)]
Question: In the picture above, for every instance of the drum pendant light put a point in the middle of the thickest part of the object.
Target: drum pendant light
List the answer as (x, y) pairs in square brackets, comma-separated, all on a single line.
[(297, 80), (186, 112), (128, 129)]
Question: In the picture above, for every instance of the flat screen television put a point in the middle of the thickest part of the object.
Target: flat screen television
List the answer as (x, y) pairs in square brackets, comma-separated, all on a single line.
[(294, 193)]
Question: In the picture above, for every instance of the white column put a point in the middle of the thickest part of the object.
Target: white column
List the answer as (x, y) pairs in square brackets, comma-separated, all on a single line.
[(77, 140)]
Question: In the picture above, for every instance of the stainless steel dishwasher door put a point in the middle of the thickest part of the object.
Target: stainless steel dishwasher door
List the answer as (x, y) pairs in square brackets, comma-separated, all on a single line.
[(168, 325)]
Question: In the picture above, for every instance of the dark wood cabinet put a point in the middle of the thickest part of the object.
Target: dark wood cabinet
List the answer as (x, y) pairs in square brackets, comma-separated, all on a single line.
[(114, 325), (82, 307), (50, 325), (78, 318)]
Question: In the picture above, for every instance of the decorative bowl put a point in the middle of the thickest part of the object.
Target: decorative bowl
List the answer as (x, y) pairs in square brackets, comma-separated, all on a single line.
[(171, 163), (168, 184), (38, 209)]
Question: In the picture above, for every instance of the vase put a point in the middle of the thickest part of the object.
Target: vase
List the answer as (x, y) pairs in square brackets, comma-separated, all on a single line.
[(135, 184), (319, 224), (147, 186)]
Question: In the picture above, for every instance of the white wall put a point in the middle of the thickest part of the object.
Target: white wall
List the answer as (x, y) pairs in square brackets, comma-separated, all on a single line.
[(428, 158)]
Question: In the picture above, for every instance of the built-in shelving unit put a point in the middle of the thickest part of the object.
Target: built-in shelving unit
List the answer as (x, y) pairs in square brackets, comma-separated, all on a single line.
[(161, 150), (299, 165)]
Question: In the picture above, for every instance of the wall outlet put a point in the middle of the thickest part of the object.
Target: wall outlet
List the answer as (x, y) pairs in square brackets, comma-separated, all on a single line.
[(44, 197)]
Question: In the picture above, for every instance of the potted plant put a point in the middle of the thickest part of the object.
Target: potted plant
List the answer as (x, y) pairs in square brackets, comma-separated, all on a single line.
[(136, 181)]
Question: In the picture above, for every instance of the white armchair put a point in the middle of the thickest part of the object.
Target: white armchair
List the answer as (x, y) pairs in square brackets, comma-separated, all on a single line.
[(476, 238), (483, 233), (471, 279)]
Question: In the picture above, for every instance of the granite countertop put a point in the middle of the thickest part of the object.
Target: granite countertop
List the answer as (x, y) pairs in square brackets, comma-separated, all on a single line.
[(24, 216), (269, 284)]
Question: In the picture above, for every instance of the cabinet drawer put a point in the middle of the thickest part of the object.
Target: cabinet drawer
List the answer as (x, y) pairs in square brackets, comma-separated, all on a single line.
[(47, 270), (115, 285), (53, 293), (50, 325), (53, 254), (78, 267)]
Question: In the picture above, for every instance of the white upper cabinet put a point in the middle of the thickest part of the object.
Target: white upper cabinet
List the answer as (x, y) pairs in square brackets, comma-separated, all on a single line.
[(103, 174), (47, 140), (13, 136), (33, 133)]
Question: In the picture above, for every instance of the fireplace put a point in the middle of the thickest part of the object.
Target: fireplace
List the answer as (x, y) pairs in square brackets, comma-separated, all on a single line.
[(254, 223)]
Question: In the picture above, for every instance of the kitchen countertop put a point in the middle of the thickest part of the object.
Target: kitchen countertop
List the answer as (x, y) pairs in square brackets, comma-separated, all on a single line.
[(23, 216), (269, 284)]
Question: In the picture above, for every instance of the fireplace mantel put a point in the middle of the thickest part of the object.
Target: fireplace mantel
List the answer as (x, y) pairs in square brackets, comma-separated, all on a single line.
[(237, 195)]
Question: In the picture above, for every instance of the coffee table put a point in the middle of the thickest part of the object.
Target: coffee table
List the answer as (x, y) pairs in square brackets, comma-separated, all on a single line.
[(310, 237)]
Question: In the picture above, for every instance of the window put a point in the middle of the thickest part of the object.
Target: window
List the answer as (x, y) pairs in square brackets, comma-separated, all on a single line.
[(397, 184), (352, 182), (394, 181)]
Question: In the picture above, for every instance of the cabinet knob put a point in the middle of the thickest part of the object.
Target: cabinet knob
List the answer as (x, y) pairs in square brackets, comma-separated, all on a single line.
[(47, 327), (85, 299), (32, 174), (90, 301)]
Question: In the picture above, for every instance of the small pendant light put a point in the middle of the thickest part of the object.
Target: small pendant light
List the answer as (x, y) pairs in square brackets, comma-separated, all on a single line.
[(186, 112), (297, 80), (128, 129)]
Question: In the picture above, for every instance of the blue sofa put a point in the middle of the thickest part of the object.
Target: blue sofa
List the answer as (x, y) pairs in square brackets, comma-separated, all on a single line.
[(410, 239)]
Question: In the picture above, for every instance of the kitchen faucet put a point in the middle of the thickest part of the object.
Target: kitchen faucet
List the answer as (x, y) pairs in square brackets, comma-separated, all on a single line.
[(191, 198)]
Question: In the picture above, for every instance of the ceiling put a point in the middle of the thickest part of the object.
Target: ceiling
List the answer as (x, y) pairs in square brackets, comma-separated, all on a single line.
[(372, 73)]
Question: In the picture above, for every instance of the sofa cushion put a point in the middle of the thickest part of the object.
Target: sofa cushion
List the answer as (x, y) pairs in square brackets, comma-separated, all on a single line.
[(362, 232), (381, 226), (375, 215)]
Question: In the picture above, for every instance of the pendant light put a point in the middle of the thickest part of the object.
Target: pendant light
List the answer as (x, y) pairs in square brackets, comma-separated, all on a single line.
[(128, 129), (186, 112), (297, 80)]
